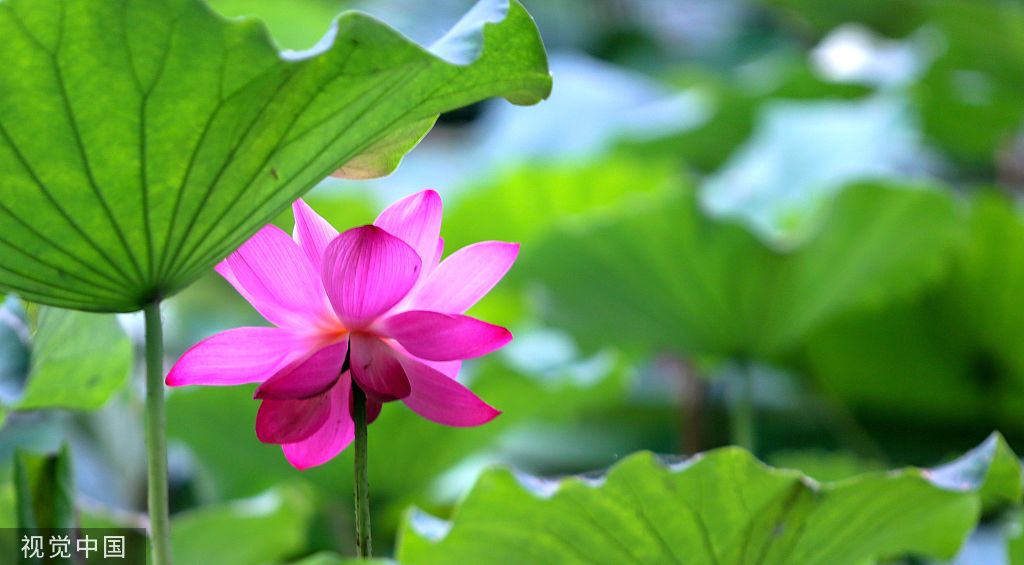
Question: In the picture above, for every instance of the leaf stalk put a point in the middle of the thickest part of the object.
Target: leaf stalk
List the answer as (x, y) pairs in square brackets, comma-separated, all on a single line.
[(364, 547), (156, 438)]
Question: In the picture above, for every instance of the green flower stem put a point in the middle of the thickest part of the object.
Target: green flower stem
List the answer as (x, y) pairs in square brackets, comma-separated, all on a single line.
[(743, 424), (156, 439), (364, 546)]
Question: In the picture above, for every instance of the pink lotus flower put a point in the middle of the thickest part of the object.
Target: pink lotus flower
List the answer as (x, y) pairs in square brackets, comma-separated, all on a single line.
[(377, 295)]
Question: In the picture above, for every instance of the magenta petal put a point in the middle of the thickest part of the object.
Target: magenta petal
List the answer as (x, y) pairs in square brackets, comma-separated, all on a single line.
[(373, 409), (312, 233), (449, 368), (465, 277), (334, 435), (376, 369), (431, 264), (366, 272), (275, 276), (224, 270), (289, 421), (309, 378), (416, 220), (441, 399), (444, 337), (238, 356)]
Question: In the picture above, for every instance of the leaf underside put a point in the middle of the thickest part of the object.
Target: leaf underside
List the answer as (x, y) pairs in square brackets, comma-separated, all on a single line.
[(142, 140)]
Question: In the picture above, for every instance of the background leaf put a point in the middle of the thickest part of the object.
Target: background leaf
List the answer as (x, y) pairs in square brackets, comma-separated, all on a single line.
[(949, 353), (523, 204), (723, 507), (78, 361), (264, 529), (974, 79), (45, 490), (333, 559), (988, 277), (721, 291), (818, 17)]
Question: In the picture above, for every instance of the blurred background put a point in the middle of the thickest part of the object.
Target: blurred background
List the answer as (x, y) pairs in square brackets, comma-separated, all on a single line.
[(786, 224)]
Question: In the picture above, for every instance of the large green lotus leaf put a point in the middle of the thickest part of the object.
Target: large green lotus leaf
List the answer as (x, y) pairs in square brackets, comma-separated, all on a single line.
[(142, 140), (327, 558), (988, 279), (525, 203), (950, 354), (264, 529), (819, 17), (78, 360), (906, 359), (45, 490), (976, 79), (61, 358), (669, 276), (723, 507), (733, 106)]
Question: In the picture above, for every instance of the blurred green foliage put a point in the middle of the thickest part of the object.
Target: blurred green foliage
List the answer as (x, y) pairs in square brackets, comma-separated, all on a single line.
[(723, 292), (78, 361), (721, 213), (75, 360), (45, 490), (970, 95), (264, 529)]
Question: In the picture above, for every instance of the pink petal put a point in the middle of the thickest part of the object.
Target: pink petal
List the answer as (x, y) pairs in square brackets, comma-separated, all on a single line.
[(366, 272), (416, 220), (447, 368), (275, 276), (430, 265), (307, 379), (444, 337), (224, 270), (333, 436), (373, 409), (465, 277), (312, 233), (441, 399), (289, 421), (376, 369), (238, 356)]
